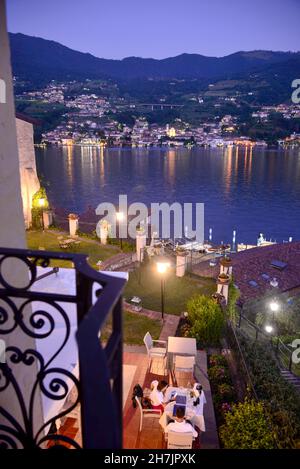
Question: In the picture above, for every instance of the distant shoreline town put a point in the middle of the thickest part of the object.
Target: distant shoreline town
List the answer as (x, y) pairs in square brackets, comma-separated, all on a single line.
[(90, 114)]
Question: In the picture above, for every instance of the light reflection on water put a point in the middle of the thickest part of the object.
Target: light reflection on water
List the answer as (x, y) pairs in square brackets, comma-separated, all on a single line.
[(250, 190)]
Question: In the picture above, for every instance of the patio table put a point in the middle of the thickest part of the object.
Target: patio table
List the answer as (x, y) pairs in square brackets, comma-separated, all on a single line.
[(193, 413)]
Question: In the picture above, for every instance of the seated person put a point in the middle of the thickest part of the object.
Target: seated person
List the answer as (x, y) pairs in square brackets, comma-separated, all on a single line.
[(157, 397), (180, 424)]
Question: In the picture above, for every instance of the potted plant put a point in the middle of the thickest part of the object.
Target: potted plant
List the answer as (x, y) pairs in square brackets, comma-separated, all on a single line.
[(226, 261), (223, 278), (140, 230), (73, 216), (180, 251)]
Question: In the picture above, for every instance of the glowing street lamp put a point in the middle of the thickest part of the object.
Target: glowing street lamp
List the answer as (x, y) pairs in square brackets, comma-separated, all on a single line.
[(162, 268), (274, 307), (269, 329), (120, 218), (42, 203)]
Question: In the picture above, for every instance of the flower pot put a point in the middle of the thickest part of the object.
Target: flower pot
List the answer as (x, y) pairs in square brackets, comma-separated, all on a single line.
[(223, 278), (226, 262), (181, 252)]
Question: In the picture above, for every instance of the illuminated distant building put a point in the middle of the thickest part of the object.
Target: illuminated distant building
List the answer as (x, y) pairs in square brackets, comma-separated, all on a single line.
[(67, 141), (171, 132)]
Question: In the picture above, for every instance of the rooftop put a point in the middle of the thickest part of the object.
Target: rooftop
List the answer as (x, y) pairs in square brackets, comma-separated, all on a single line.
[(254, 269)]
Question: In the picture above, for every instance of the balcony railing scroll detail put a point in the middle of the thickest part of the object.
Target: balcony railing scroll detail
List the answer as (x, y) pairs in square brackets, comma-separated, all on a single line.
[(29, 316)]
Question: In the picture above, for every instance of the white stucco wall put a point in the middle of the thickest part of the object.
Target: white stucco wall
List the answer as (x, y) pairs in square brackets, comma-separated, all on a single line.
[(29, 180), (12, 230)]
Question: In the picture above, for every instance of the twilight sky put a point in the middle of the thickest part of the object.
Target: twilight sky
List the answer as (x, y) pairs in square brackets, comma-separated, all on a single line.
[(160, 28)]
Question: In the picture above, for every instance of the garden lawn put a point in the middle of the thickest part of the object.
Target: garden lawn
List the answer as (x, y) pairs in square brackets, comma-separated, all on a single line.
[(48, 240), (135, 327), (145, 283)]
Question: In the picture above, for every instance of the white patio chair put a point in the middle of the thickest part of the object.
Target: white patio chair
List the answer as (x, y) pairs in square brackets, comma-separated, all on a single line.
[(179, 440), (184, 364), (144, 413), (154, 351)]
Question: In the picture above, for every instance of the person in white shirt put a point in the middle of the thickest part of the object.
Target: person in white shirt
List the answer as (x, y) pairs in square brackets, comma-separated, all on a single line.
[(157, 395), (180, 424)]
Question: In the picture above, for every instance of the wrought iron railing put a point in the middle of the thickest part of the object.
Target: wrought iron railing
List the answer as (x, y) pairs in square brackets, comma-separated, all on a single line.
[(29, 314)]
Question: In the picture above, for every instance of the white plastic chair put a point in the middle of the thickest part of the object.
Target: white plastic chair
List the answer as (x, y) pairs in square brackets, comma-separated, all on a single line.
[(144, 413), (184, 364), (154, 351), (179, 440)]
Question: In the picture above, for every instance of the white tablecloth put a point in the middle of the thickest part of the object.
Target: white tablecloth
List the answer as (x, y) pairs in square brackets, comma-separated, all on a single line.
[(193, 413)]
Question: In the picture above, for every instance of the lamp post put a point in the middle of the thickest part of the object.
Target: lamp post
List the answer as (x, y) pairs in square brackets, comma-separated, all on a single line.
[(274, 307), (120, 217), (162, 267), (42, 203), (269, 329)]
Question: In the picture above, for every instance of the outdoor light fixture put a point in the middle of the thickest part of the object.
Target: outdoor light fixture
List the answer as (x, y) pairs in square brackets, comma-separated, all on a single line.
[(42, 203), (274, 306), (162, 267), (269, 329)]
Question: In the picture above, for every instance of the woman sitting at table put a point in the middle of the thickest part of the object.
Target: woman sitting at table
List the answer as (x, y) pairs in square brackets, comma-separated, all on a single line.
[(180, 424), (157, 395)]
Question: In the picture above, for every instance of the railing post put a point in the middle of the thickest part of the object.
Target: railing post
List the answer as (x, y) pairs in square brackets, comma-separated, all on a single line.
[(84, 295)]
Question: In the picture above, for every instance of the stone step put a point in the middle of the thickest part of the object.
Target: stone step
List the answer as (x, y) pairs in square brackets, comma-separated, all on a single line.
[(291, 378)]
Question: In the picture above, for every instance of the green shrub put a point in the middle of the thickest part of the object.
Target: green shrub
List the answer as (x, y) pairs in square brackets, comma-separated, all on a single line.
[(247, 427), (233, 296), (226, 391), (218, 374), (284, 430), (206, 319), (217, 359), (271, 386), (223, 393)]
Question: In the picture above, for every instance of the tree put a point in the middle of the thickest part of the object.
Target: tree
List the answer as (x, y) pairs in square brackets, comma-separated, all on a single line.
[(206, 319)]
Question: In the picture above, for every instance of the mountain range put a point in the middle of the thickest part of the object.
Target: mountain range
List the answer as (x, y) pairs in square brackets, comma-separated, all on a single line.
[(41, 60)]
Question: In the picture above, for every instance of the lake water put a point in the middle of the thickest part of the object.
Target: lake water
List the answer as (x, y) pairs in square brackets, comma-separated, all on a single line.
[(251, 191)]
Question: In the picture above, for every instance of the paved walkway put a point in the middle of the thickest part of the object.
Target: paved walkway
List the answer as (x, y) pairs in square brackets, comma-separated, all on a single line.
[(169, 325), (209, 439)]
